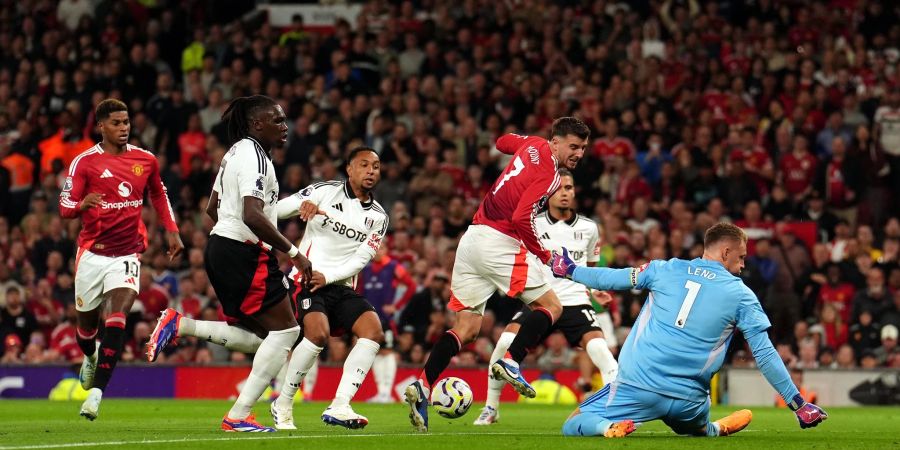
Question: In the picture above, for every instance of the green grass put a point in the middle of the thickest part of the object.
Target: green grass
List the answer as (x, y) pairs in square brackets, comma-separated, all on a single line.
[(182, 424)]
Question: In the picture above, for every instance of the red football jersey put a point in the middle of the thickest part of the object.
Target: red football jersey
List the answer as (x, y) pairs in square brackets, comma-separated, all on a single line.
[(520, 191), (114, 228), (606, 148), (799, 171)]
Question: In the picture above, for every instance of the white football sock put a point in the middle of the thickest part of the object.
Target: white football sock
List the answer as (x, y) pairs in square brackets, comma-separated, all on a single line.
[(279, 379), (309, 383), (357, 366), (495, 387), (305, 355), (385, 372), (598, 351), (233, 338), (270, 356)]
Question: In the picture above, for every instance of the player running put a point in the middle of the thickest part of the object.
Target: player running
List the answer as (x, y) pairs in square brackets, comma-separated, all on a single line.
[(560, 227), (679, 342), (344, 229), (105, 188), (251, 288), (501, 250)]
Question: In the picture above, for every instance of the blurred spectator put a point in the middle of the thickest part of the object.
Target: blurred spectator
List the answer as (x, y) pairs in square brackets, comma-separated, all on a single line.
[(15, 318), (886, 353)]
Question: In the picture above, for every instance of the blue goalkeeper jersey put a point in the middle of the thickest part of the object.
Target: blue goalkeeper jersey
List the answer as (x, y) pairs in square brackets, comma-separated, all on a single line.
[(679, 339)]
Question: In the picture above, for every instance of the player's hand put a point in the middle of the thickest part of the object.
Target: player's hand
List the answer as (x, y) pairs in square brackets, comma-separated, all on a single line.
[(562, 265), (308, 210), (808, 414), (91, 200), (603, 298), (317, 281), (389, 309), (303, 264), (175, 244)]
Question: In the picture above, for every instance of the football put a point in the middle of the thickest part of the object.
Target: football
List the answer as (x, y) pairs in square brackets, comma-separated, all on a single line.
[(451, 397)]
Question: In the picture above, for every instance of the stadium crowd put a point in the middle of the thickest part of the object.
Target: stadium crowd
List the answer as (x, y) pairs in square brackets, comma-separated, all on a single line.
[(781, 116)]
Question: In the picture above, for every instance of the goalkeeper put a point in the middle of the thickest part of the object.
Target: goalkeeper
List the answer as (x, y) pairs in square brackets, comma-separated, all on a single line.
[(678, 342)]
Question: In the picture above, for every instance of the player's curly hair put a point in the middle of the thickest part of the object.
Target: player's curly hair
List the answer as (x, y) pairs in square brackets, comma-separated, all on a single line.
[(565, 126), (107, 107), (723, 231), (240, 112)]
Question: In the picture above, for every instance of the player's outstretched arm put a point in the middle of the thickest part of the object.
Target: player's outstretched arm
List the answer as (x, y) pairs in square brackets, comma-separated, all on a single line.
[(771, 366), (593, 277)]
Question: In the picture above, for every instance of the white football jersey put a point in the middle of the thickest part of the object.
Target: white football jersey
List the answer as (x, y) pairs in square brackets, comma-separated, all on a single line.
[(340, 244), (246, 171), (580, 237)]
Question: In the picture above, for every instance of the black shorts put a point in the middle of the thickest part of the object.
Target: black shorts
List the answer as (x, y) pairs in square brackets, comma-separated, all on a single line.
[(245, 276), (341, 304), (575, 322)]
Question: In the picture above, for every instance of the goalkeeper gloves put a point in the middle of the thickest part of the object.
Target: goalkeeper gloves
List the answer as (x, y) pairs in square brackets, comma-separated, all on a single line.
[(808, 414), (562, 265)]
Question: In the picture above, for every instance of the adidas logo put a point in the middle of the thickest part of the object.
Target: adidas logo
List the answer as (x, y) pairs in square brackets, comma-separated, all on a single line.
[(130, 280), (545, 236), (106, 174), (338, 207)]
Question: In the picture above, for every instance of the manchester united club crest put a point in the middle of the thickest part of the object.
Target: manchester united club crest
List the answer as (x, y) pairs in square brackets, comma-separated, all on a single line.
[(137, 169)]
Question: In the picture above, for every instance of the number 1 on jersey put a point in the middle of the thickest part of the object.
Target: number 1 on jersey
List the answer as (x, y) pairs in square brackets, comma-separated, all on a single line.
[(693, 288), (518, 165)]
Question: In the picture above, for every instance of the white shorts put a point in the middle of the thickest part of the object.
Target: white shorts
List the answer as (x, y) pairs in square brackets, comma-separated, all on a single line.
[(488, 261), (96, 275)]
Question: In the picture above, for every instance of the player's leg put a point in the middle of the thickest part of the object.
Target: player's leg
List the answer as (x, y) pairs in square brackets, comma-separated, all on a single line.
[(597, 350), (110, 350), (470, 289), (88, 301), (283, 331), (491, 411), (88, 323), (528, 282), (366, 326), (304, 356), (384, 369), (614, 410), (172, 324), (119, 280), (692, 419)]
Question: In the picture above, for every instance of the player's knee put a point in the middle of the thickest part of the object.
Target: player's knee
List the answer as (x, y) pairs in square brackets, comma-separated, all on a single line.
[(318, 336), (376, 335)]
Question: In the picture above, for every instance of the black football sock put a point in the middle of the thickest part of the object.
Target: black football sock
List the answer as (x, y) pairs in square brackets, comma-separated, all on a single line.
[(110, 349), (444, 350), (533, 328), (87, 341)]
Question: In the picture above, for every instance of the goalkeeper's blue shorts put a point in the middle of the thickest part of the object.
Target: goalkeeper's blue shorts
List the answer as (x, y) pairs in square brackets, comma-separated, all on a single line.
[(617, 402)]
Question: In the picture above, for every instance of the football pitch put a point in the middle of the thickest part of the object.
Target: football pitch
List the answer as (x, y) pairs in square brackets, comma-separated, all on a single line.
[(184, 424)]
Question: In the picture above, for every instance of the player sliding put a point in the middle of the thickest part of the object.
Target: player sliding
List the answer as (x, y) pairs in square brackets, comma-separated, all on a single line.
[(501, 250), (239, 261), (106, 188), (561, 227), (679, 342), (344, 229)]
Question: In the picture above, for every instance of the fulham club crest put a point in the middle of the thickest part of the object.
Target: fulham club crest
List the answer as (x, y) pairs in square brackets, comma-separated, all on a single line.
[(370, 222)]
